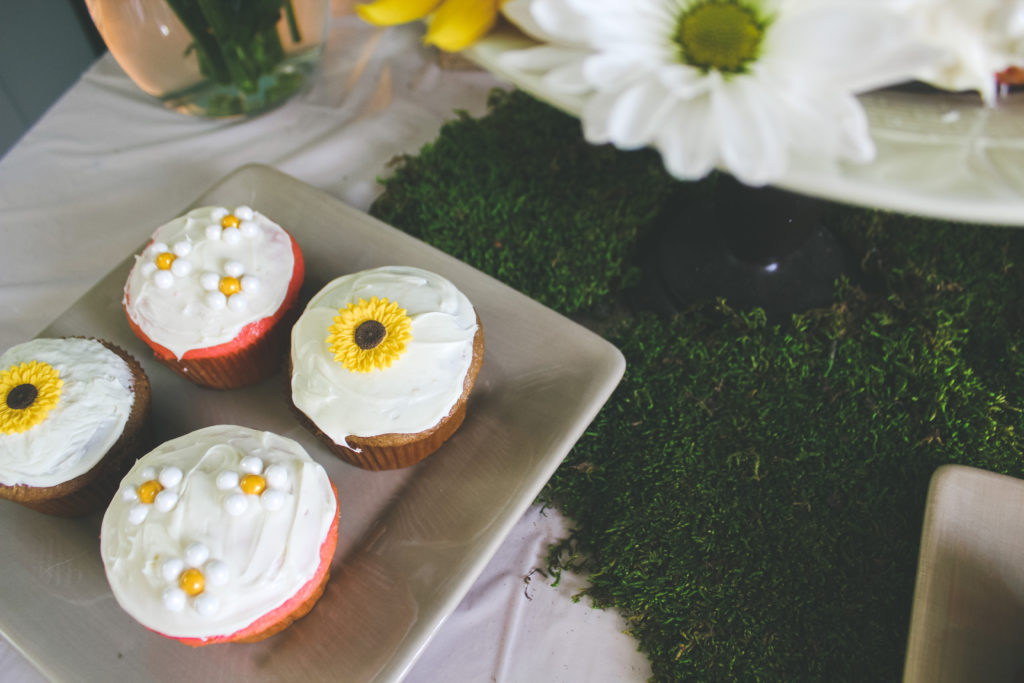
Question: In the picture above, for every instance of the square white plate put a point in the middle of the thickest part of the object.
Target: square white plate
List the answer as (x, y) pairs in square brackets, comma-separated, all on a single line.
[(967, 623), (412, 541)]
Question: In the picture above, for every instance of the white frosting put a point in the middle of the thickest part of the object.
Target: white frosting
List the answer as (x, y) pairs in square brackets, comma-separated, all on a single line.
[(95, 401), (181, 308), (422, 385), (252, 561)]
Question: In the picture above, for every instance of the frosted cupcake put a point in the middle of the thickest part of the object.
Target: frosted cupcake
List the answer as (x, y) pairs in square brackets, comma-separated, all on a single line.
[(73, 417), (212, 294), (222, 535), (382, 365)]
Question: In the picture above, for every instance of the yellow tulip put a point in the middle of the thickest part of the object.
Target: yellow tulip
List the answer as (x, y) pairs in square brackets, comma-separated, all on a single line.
[(390, 12), (457, 24), (453, 25)]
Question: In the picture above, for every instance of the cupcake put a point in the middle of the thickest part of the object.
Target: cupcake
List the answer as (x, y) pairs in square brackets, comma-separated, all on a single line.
[(222, 535), (212, 293), (74, 416), (382, 364)]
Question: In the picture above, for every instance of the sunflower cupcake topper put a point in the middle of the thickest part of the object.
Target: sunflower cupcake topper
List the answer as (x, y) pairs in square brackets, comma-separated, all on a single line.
[(30, 391), (370, 335)]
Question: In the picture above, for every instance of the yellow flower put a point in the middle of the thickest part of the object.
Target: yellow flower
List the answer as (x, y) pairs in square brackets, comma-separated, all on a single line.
[(30, 391), (453, 25), (369, 335)]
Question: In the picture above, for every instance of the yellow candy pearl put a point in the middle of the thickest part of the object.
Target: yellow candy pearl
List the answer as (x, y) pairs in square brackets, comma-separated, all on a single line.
[(252, 484), (147, 491), (230, 285), (192, 582), (229, 221), (164, 260)]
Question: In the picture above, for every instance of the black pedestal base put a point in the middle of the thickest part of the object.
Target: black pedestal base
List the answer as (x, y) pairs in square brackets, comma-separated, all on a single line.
[(752, 254)]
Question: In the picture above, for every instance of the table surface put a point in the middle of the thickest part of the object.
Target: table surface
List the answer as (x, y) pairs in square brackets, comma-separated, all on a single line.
[(106, 151)]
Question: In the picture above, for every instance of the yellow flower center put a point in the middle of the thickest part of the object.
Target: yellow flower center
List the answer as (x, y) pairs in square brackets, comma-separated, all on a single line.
[(229, 221), (192, 581), (252, 484), (230, 285), (30, 391), (164, 260), (720, 35), (370, 335), (148, 489)]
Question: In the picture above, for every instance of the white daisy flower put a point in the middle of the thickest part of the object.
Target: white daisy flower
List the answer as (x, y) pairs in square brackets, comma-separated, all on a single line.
[(270, 484), (189, 578), (979, 38), (156, 489), (739, 84)]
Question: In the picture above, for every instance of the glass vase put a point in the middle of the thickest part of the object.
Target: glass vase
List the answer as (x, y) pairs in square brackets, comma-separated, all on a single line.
[(216, 58)]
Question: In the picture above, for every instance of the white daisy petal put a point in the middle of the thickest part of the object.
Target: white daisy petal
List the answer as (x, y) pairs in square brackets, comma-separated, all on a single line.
[(196, 554), (689, 142), (171, 568), (175, 599), (638, 114)]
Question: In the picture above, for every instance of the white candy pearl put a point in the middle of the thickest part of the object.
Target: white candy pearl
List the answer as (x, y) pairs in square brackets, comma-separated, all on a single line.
[(213, 231), (238, 302), (249, 228), (216, 300), (163, 279), (234, 268), (129, 494), (147, 268), (181, 267), (196, 554), (218, 213), (251, 284), (182, 248), (272, 499), (171, 568), (251, 464), (243, 213), (170, 477), (206, 604), (148, 473), (175, 599), (236, 504), (276, 476), (209, 281), (227, 480), (137, 514), (216, 572), (157, 248), (165, 500), (231, 235)]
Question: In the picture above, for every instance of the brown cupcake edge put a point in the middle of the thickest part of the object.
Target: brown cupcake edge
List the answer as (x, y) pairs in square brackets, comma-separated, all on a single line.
[(395, 451), (92, 491)]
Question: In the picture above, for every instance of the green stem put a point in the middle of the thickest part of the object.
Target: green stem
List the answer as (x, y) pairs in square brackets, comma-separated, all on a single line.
[(293, 23), (236, 43)]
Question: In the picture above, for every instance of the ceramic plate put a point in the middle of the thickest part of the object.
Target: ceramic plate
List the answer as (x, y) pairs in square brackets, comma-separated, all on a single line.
[(412, 541), (967, 624), (942, 155)]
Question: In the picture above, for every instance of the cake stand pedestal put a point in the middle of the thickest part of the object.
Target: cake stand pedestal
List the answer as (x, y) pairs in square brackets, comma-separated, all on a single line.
[(755, 247)]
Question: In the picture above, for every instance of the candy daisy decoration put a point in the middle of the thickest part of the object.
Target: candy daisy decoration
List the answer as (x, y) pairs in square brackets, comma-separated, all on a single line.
[(452, 25), (739, 84)]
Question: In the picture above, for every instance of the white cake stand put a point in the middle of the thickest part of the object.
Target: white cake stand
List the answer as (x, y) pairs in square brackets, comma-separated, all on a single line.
[(941, 155)]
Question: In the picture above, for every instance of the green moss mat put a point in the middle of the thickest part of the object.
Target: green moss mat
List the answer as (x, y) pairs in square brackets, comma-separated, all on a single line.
[(751, 497)]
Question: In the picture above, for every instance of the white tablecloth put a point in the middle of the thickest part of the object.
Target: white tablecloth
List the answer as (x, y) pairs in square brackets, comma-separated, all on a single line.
[(105, 151)]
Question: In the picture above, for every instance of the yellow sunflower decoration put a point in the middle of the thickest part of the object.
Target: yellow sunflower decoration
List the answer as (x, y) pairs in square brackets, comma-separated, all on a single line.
[(369, 335), (30, 391)]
